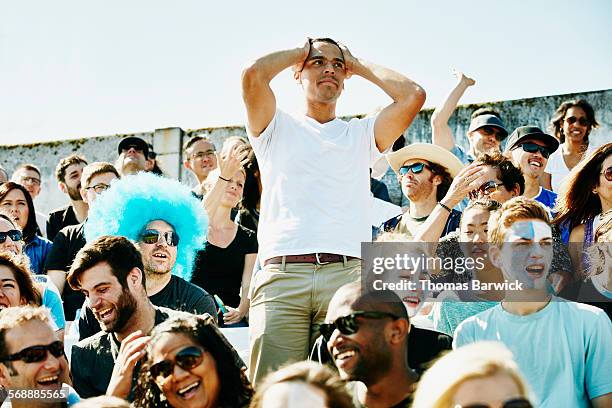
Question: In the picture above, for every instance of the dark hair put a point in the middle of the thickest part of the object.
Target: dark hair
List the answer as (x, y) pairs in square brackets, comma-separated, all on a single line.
[(118, 252), (235, 390), (194, 140), (251, 194), (30, 229), (329, 41), (576, 202), (310, 373), (439, 170), (482, 203), (18, 264), (95, 169), (60, 170), (399, 143), (556, 123), (28, 166), (485, 111), (507, 172)]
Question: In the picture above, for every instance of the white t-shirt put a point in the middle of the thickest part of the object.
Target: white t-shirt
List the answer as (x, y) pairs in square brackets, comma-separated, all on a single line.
[(562, 350), (558, 170), (316, 185)]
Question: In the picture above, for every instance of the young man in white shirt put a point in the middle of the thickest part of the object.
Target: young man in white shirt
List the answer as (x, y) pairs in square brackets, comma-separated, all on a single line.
[(316, 192)]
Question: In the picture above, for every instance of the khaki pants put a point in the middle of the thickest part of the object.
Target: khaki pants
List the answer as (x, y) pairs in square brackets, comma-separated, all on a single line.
[(287, 306)]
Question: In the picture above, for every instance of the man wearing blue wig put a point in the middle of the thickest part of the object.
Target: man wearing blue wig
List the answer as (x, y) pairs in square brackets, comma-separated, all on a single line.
[(168, 226)]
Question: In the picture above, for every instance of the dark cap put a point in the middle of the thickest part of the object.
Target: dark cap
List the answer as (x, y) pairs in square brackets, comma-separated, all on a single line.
[(488, 120), (134, 141), (531, 132)]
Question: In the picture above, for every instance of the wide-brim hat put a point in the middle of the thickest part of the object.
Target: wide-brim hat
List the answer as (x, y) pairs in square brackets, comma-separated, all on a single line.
[(428, 152), (531, 132)]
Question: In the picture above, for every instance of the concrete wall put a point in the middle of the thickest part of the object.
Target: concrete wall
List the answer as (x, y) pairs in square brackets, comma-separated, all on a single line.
[(167, 142)]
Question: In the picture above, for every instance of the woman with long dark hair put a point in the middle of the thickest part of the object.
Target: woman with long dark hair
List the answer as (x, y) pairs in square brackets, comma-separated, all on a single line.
[(189, 363), (17, 202), (571, 124), (583, 200)]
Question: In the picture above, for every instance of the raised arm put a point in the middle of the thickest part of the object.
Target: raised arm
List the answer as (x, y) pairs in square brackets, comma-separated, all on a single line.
[(258, 97), (441, 133), (228, 166), (408, 98)]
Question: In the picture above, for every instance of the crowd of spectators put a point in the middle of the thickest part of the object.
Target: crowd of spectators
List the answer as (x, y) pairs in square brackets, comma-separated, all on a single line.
[(146, 276)]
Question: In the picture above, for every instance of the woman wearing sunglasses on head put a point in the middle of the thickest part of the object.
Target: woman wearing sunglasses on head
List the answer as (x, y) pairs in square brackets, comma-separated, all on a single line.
[(479, 375), (17, 202), (224, 266), (16, 289), (583, 200), (571, 124), (190, 364)]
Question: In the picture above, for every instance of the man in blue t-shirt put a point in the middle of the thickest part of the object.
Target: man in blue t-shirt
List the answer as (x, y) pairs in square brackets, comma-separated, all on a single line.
[(529, 148), (561, 347)]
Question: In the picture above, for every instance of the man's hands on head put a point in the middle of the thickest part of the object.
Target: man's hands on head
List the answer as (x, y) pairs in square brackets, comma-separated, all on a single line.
[(303, 56), (350, 62)]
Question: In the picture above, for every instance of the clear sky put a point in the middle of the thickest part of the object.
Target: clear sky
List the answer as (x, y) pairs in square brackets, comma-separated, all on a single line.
[(71, 69)]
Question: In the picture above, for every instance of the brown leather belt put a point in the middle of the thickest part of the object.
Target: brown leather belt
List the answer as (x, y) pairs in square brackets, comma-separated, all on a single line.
[(318, 258)]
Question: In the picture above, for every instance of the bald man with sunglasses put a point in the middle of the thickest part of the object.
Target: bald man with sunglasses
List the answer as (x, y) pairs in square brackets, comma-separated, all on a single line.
[(32, 360)]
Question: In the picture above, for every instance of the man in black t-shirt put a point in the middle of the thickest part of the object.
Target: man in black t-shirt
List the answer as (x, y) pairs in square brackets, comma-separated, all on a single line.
[(158, 246), (95, 179), (109, 272)]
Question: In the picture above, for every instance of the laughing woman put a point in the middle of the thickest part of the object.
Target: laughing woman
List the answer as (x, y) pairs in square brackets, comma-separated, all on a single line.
[(17, 202), (190, 364)]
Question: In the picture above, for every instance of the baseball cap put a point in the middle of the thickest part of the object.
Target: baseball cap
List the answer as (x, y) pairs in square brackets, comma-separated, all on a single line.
[(134, 141), (531, 132), (425, 151), (488, 120)]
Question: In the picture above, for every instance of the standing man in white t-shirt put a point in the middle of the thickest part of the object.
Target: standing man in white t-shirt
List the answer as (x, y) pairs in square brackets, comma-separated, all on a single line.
[(316, 200)]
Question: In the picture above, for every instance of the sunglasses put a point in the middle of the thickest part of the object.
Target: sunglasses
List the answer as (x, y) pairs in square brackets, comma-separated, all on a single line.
[(485, 189), (491, 130), (135, 147), (416, 168), (530, 147), (582, 121), (607, 174), (513, 403), (188, 359), (36, 354), (349, 324), (152, 236), (14, 235)]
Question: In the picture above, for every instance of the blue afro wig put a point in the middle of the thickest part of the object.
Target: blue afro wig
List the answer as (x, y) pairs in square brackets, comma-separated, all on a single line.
[(132, 202)]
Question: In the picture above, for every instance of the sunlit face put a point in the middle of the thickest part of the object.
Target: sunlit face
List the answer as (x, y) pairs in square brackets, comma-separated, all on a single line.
[(501, 194), (294, 394), (198, 387), (72, 185), (323, 75), (201, 158), (16, 205), (131, 160), (526, 253), (485, 139), (473, 234), (30, 179), (531, 164), (48, 374), (234, 189), (413, 300), (421, 186), (604, 189), (572, 129), (158, 258), (9, 245), (100, 182), (490, 391), (111, 304), (361, 356), (10, 294)]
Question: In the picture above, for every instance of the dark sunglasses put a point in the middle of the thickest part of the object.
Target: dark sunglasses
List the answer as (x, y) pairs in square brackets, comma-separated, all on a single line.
[(152, 236), (607, 174), (582, 121), (513, 403), (491, 130), (416, 168), (188, 359), (486, 189), (135, 147), (14, 235), (36, 354), (349, 324), (530, 147)]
